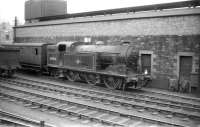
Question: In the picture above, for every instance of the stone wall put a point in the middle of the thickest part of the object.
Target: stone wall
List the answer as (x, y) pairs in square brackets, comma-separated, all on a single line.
[(164, 36), (179, 25)]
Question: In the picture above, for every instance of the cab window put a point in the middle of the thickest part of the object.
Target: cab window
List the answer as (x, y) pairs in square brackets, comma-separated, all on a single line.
[(61, 48), (36, 51)]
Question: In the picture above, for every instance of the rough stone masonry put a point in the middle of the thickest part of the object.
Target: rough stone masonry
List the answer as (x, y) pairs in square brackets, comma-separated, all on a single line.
[(165, 34)]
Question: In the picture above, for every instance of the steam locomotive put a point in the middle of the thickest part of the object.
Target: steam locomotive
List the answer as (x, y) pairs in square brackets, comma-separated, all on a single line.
[(114, 65)]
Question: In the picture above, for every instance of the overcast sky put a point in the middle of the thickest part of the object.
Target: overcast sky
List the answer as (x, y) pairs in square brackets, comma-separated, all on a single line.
[(11, 8)]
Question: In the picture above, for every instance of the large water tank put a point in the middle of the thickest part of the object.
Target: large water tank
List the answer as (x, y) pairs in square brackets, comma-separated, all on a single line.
[(41, 8)]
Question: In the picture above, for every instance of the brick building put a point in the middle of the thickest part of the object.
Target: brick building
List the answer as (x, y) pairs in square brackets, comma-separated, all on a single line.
[(168, 40)]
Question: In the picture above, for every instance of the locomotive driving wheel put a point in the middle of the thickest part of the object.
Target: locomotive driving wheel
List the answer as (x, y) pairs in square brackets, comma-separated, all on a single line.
[(82, 77), (92, 79), (113, 82), (72, 76)]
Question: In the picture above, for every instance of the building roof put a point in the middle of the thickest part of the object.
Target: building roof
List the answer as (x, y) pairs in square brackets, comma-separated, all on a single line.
[(182, 4), (26, 44), (119, 16)]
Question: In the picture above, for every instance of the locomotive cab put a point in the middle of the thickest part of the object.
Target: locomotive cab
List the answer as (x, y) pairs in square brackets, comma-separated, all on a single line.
[(61, 47), (55, 54)]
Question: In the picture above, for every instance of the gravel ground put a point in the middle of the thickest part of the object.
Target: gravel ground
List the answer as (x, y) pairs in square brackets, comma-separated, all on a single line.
[(51, 119)]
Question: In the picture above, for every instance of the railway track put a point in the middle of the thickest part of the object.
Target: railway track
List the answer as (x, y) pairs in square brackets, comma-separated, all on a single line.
[(187, 104), (147, 110), (173, 98), (152, 95), (20, 121), (68, 107)]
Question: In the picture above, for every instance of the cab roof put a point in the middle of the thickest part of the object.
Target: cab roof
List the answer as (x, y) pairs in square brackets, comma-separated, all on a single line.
[(67, 43)]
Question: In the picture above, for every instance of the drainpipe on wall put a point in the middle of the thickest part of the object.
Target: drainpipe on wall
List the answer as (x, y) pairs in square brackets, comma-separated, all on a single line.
[(14, 29), (199, 69)]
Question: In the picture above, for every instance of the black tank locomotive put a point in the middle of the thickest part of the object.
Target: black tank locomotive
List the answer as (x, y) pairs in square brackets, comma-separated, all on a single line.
[(114, 65)]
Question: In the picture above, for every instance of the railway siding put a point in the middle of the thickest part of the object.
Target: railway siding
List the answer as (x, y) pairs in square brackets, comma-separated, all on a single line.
[(149, 99), (149, 94), (20, 120), (123, 102), (122, 112)]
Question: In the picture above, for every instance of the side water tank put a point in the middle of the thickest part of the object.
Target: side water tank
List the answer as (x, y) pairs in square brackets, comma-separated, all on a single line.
[(41, 8)]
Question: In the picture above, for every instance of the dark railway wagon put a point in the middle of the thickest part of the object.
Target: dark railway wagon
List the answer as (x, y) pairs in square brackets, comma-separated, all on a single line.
[(32, 55), (9, 61)]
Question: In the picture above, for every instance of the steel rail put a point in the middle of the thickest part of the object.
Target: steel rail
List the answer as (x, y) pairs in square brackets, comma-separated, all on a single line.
[(21, 120), (121, 102), (134, 96), (157, 120), (146, 93)]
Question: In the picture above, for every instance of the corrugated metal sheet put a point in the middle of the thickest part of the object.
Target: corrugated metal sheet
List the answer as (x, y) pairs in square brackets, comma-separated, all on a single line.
[(41, 8), (27, 10), (26, 44), (36, 9), (173, 5), (54, 7)]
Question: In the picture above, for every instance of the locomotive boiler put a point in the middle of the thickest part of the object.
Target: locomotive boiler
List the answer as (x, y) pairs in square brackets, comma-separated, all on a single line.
[(114, 65)]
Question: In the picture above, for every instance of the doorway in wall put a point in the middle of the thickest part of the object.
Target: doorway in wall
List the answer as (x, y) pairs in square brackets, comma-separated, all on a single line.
[(146, 62), (185, 67)]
